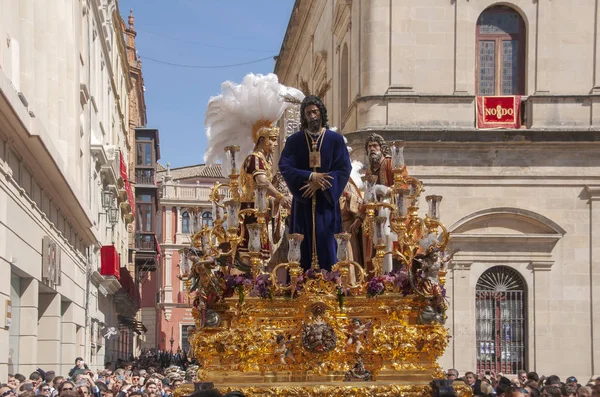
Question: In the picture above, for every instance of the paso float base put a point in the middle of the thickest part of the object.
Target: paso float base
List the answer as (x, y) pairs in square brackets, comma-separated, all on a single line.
[(343, 389)]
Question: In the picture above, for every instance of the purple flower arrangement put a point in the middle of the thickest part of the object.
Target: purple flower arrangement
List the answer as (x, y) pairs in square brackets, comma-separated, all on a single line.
[(395, 281), (234, 283), (376, 286), (399, 281), (312, 274), (262, 287)]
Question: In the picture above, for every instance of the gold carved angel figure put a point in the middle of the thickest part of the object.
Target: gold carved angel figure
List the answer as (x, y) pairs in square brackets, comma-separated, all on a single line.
[(356, 331), (283, 349)]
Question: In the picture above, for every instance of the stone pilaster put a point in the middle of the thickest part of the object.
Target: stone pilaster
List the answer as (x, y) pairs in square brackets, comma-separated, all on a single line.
[(28, 339), (461, 319), (594, 203), (179, 221), (543, 357), (69, 343), (168, 275), (168, 225), (49, 329)]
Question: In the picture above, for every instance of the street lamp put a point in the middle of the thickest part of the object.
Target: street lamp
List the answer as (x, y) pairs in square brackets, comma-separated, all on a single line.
[(171, 341), (113, 216), (107, 198)]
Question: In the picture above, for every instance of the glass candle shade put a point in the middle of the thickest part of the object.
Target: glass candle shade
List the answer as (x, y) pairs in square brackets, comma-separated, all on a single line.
[(401, 208), (295, 241), (195, 221), (233, 208), (412, 187), (254, 243), (204, 242), (184, 265), (397, 149), (231, 152), (379, 237), (217, 212), (411, 200), (370, 194), (434, 206), (260, 200), (342, 240)]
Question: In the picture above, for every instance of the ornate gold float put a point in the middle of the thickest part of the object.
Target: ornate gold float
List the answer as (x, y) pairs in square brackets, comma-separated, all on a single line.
[(315, 333)]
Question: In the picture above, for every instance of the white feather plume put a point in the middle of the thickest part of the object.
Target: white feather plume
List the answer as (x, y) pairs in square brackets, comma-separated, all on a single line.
[(231, 114), (357, 166)]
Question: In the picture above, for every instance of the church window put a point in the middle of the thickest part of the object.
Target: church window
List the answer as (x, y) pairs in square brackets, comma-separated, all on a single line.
[(500, 52)]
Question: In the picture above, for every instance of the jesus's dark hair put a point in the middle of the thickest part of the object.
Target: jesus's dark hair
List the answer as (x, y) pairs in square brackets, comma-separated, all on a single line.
[(313, 100)]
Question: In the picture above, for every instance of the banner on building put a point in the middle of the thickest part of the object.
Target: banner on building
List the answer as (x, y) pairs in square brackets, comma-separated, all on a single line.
[(51, 265), (498, 112), (109, 332), (126, 184)]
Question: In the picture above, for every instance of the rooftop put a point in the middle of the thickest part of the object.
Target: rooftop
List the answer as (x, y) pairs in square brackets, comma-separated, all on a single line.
[(193, 171)]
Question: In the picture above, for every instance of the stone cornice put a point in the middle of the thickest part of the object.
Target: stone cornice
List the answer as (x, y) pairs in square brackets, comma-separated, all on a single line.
[(592, 192), (100, 22), (460, 264), (543, 266), (287, 36), (302, 23), (466, 263), (117, 22), (341, 19), (444, 135)]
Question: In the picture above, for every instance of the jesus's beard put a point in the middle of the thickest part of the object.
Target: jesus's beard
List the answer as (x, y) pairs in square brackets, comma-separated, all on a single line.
[(314, 125), (375, 159)]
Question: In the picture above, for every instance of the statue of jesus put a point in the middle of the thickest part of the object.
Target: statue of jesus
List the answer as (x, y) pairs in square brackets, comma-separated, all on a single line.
[(316, 166)]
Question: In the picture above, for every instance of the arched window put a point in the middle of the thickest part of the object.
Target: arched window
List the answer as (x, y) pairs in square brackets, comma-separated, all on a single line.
[(501, 52), (501, 320), (185, 222), (344, 81), (207, 219)]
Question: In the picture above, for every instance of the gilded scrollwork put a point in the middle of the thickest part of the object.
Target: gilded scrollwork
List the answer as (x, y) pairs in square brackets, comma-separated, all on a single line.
[(316, 332)]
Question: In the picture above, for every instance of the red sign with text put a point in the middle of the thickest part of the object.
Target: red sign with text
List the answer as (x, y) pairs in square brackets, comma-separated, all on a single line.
[(499, 112)]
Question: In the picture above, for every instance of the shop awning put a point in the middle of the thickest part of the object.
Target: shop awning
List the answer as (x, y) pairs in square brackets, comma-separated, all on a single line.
[(132, 323), (110, 262)]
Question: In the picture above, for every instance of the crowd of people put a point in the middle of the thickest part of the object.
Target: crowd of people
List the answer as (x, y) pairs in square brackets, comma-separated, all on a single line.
[(143, 377), (525, 384)]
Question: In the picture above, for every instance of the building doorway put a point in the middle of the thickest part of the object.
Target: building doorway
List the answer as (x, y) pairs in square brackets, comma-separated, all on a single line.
[(501, 300)]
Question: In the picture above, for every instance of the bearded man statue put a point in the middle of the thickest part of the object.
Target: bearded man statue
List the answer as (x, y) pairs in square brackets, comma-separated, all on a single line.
[(316, 166)]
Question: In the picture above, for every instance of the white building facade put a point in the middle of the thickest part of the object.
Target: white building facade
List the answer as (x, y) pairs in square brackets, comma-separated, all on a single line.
[(64, 84), (184, 209), (522, 204)]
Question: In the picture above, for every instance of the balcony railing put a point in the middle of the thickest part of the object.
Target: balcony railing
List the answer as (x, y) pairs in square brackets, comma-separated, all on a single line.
[(112, 168), (189, 192), (129, 287), (145, 177), (145, 241)]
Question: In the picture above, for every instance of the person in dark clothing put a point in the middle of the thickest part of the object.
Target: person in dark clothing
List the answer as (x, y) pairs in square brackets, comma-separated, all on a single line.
[(79, 368), (471, 380)]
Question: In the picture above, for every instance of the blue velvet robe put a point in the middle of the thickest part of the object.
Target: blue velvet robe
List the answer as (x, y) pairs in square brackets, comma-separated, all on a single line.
[(295, 169)]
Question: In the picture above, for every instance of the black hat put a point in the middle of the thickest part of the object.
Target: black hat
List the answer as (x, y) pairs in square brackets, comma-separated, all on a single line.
[(503, 384)]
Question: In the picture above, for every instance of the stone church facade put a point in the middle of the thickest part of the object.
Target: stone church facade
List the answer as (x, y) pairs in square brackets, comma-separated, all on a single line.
[(522, 204)]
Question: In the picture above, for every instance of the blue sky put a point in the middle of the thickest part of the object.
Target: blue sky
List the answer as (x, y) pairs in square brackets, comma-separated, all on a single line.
[(204, 33)]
